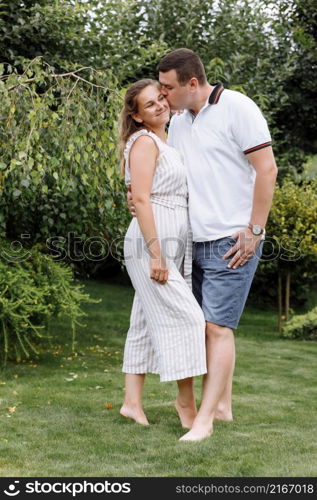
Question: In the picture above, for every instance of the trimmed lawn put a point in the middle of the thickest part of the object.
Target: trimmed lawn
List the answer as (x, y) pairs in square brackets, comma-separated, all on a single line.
[(59, 414)]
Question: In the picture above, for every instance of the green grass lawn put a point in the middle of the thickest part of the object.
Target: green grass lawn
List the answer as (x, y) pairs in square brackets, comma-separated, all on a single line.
[(54, 420)]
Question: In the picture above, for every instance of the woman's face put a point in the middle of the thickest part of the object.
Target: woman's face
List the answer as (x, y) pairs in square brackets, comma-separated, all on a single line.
[(153, 108)]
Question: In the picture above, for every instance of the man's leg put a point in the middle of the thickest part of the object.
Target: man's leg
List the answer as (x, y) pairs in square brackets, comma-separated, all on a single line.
[(222, 293), (220, 362), (224, 407), (220, 356)]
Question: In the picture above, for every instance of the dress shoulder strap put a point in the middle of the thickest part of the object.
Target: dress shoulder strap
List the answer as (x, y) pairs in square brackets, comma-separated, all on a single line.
[(132, 140)]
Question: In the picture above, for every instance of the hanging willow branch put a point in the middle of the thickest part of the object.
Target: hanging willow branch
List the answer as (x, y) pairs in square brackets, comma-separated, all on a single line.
[(71, 74)]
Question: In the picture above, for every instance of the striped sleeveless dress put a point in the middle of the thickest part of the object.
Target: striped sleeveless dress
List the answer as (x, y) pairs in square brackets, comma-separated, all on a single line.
[(167, 326)]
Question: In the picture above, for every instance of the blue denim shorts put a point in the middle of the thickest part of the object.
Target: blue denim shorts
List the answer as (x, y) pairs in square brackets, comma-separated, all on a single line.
[(221, 291)]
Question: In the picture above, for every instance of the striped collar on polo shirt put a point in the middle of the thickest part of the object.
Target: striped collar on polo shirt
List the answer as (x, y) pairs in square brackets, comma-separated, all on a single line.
[(213, 98), (216, 93)]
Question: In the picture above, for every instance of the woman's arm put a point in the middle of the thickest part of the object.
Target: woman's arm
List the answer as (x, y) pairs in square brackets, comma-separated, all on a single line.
[(143, 156)]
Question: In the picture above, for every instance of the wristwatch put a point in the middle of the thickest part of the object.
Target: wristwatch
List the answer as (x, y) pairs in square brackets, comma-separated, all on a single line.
[(256, 229)]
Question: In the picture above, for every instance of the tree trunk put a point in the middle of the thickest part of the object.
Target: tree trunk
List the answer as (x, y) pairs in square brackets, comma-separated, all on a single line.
[(287, 294), (279, 293)]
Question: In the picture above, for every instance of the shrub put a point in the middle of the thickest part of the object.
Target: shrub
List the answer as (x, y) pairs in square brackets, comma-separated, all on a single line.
[(33, 289), (302, 326), (290, 252)]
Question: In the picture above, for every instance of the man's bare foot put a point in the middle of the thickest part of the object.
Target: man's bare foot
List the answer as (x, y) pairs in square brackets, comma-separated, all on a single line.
[(137, 415), (186, 413), (197, 434), (223, 416)]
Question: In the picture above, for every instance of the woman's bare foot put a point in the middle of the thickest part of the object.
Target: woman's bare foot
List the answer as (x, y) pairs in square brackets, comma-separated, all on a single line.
[(186, 412), (197, 433), (223, 415), (136, 415)]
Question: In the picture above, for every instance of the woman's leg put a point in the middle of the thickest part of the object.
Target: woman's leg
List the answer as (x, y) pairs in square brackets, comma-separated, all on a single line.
[(132, 405), (174, 325), (139, 358), (139, 353), (185, 403)]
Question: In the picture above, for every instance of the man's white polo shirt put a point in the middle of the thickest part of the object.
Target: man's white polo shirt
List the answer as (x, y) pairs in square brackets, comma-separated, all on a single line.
[(214, 146)]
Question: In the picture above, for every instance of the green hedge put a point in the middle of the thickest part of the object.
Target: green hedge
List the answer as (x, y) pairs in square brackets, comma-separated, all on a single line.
[(303, 326)]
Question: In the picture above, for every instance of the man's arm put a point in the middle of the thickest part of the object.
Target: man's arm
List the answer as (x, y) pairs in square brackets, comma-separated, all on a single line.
[(266, 171), (263, 162)]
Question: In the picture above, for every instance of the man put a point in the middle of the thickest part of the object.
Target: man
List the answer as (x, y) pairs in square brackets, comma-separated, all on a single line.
[(231, 173)]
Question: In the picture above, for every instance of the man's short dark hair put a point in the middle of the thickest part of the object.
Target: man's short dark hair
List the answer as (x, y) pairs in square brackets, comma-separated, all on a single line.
[(187, 65)]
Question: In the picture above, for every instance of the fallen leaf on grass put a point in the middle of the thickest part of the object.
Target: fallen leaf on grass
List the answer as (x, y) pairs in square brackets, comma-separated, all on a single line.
[(71, 358), (73, 377), (11, 409)]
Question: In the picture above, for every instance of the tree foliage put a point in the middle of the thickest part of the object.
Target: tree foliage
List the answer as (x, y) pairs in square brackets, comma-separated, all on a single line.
[(59, 175), (265, 49)]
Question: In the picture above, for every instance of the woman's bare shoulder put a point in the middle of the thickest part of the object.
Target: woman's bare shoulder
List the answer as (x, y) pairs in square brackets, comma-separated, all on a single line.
[(144, 144)]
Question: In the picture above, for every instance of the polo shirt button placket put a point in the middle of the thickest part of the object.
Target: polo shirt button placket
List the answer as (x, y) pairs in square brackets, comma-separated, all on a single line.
[(194, 124)]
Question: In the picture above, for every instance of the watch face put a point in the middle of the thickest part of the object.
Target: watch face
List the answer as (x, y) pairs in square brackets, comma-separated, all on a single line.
[(256, 229)]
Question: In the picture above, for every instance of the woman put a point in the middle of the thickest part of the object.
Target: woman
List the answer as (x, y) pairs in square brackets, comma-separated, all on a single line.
[(167, 326)]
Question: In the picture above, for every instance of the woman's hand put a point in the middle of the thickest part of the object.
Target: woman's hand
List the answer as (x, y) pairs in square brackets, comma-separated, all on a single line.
[(159, 270)]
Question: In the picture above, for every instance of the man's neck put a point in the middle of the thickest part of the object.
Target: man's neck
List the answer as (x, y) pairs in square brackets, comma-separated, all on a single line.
[(202, 95)]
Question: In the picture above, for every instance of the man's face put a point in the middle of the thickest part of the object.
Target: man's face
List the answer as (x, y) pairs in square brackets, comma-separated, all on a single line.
[(176, 94)]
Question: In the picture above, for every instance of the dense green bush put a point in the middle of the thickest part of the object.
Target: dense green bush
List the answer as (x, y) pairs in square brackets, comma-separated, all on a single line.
[(303, 326), (288, 267), (33, 289)]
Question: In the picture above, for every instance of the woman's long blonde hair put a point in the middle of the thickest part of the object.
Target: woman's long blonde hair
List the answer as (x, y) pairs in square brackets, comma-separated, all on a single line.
[(127, 124)]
